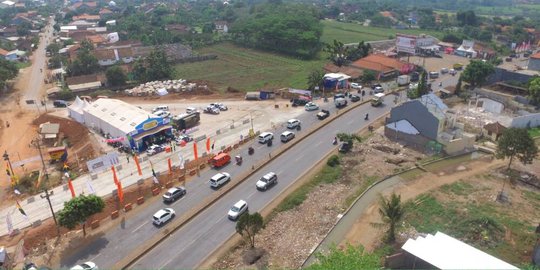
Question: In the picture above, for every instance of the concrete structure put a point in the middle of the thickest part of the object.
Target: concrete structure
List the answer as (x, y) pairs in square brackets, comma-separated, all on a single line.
[(83, 83), (526, 121), (49, 130), (414, 45), (108, 57), (132, 126)]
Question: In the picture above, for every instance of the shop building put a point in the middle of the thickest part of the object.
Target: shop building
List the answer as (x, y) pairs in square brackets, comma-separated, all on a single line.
[(123, 122)]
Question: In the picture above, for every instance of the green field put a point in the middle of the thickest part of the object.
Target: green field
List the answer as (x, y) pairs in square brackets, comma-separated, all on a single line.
[(352, 32), (248, 70)]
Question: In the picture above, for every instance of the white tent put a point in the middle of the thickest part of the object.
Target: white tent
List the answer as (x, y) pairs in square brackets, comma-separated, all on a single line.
[(162, 92), (76, 109)]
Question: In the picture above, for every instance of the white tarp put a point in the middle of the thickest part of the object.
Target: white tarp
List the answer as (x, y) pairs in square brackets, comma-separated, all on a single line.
[(403, 126), (445, 252), (162, 92)]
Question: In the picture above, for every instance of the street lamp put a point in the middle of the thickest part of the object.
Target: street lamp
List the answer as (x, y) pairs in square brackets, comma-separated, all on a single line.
[(46, 196)]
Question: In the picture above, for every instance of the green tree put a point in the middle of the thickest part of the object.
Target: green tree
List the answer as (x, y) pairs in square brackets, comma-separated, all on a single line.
[(249, 225), (8, 71), (337, 52), (350, 258), (516, 142), (349, 138), (368, 76), (477, 72), (208, 28), (315, 78), (157, 66), (53, 48), (458, 86), (116, 76), (362, 50), (391, 212), (534, 90), (139, 70), (78, 210), (422, 88), (467, 18)]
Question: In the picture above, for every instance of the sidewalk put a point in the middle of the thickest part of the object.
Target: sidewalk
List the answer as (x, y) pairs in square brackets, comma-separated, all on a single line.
[(37, 209)]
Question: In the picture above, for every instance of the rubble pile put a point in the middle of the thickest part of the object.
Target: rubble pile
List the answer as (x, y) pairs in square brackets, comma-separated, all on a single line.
[(153, 88)]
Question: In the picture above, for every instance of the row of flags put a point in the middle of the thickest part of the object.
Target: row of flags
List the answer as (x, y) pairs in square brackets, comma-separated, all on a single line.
[(519, 48), (118, 183)]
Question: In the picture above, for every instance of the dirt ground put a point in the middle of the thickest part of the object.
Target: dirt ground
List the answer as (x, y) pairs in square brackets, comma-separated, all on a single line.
[(435, 64)]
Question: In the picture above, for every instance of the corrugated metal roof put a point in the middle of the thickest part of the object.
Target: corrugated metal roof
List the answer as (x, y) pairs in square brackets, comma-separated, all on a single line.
[(117, 113), (445, 252)]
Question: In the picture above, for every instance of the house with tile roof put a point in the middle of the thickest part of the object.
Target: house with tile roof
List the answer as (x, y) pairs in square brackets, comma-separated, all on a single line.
[(383, 66), (493, 130), (86, 17)]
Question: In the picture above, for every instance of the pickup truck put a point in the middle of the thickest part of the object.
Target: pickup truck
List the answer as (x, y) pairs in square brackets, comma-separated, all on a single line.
[(323, 114)]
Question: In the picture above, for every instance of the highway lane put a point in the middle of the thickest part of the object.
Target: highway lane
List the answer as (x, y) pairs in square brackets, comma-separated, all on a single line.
[(109, 247), (191, 244)]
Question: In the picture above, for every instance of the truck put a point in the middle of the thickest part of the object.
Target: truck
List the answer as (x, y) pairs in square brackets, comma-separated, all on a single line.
[(186, 121), (377, 99), (403, 80), (340, 102), (458, 66)]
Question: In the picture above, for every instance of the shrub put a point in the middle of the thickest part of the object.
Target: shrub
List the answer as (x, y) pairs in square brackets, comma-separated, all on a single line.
[(333, 161)]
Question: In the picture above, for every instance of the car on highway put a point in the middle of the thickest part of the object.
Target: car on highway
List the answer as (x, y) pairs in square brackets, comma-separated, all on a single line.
[(238, 209), (154, 149), (286, 136), (174, 194), (293, 123), (266, 181), (85, 266), (219, 179), (355, 98), (356, 85), (323, 114), (310, 106), (163, 216), (265, 137)]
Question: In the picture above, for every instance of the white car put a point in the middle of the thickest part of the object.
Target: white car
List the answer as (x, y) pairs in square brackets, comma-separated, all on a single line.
[(219, 179), (163, 216), (293, 123), (154, 149), (85, 266), (266, 181), (356, 86), (310, 106), (219, 106), (237, 210)]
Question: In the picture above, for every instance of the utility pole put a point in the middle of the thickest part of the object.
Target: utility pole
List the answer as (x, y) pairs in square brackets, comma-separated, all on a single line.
[(35, 143), (12, 176), (46, 196)]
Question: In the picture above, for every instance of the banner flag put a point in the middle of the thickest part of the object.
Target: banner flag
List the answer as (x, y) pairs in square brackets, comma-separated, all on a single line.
[(70, 185), (120, 192), (20, 209), (114, 175), (208, 145), (195, 151), (170, 165), (138, 164)]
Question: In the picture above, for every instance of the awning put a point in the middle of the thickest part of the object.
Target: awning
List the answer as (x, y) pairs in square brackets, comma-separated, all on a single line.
[(150, 132)]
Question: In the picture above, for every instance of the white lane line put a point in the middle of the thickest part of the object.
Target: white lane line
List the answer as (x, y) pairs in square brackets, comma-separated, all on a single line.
[(350, 122), (93, 259), (250, 195), (140, 226), (319, 143), (299, 158)]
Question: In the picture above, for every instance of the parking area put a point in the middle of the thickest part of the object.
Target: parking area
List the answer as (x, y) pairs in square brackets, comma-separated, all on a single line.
[(436, 64)]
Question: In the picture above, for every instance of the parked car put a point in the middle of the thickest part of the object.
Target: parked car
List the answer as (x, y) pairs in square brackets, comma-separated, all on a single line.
[(266, 181), (299, 102), (311, 106), (293, 123), (85, 266), (174, 194), (60, 103), (163, 216), (160, 108), (191, 110), (219, 179), (452, 72), (344, 147), (183, 137), (162, 114), (356, 85), (154, 149), (211, 110), (237, 210), (339, 95), (323, 114), (377, 88), (355, 98), (219, 106), (444, 70)]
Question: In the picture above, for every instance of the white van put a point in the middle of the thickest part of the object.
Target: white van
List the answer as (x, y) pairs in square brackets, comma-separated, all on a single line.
[(161, 108), (286, 136), (191, 110), (265, 137)]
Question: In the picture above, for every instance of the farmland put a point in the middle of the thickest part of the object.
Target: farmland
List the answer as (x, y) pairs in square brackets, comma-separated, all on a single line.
[(248, 70), (353, 32)]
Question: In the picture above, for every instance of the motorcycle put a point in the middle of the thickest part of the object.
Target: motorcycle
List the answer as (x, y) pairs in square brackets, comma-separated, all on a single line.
[(238, 160), (251, 150), (334, 142), (367, 117)]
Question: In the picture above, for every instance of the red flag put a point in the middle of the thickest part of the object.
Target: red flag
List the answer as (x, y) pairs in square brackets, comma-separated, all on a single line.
[(170, 165), (70, 185), (138, 165), (120, 192), (114, 175), (208, 145), (195, 151)]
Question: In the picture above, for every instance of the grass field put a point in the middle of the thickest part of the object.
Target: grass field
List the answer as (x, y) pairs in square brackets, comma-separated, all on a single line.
[(352, 32), (248, 70)]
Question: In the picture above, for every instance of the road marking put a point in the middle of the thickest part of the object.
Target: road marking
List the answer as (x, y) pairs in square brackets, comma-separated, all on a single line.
[(93, 259), (299, 158), (136, 229), (350, 122), (179, 199), (250, 195)]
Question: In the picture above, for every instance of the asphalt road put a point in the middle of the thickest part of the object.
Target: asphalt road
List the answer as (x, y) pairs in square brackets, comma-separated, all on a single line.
[(190, 245), (121, 240)]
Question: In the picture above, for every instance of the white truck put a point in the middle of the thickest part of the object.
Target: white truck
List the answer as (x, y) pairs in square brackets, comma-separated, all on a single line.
[(340, 102), (403, 80)]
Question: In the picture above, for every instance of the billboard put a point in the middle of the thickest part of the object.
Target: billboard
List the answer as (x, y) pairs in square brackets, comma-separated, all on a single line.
[(406, 44), (103, 162)]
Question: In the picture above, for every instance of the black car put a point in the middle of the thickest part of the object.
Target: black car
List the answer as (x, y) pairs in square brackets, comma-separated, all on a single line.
[(323, 114), (174, 194), (355, 98), (299, 102), (344, 147)]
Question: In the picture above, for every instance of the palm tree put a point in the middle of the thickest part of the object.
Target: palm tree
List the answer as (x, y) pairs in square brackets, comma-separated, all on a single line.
[(391, 212)]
